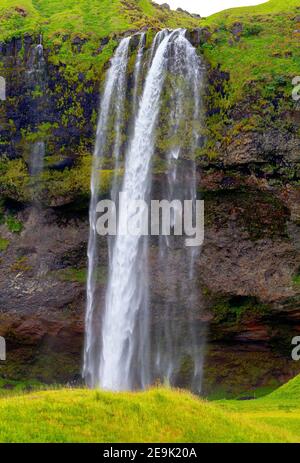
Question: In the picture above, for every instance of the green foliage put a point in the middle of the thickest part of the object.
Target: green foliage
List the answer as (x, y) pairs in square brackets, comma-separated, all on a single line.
[(79, 275), (73, 274), (236, 309), (13, 224), (268, 46), (85, 18), (10, 387), (14, 179), (252, 29), (51, 187), (259, 48), (72, 183), (296, 279)]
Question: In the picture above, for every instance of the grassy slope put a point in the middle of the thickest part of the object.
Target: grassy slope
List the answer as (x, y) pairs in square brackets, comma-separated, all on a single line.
[(62, 21), (159, 415), (261, 59), (98, 17), (279, 411), (268, 49)]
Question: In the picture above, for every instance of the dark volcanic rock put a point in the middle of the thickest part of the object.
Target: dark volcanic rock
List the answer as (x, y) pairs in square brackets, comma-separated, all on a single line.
[(198, 36), (248, 269)]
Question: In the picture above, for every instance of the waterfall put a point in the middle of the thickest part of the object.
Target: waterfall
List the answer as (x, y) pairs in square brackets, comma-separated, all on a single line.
[(110, 105), (36, 81), (179, 340), (137, 72), (125, 347)]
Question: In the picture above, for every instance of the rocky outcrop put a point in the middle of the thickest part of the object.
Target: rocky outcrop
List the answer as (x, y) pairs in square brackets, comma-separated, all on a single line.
[(248, 270), (250, 298)]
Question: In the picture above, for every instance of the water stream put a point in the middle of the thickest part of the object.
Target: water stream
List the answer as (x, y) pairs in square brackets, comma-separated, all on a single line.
[(135, 337)]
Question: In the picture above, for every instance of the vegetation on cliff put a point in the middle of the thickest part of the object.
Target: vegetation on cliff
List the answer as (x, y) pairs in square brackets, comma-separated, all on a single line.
[(85, 18), (252, 55), (258, 50), (78, 39)]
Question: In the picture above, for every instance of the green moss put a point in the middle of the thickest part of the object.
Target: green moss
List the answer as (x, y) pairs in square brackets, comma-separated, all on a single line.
[(14, 179), (52, 186), (78, 275), (258, 47), (13, 224), (72, 183), (41, 132), (4, 243), (237, 308), (296, 279)]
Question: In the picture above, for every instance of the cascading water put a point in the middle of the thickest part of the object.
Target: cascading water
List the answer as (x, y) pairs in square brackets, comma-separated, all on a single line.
[(125, 346), (112, 95), (36, 81), (137, 72), (179, 339)]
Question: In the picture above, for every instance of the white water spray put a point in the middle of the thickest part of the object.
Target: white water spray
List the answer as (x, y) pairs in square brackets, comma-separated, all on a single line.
[(109, 105), (120, 344)]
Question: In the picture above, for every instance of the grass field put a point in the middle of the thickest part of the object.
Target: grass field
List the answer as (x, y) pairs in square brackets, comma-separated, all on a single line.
[(158, 415)]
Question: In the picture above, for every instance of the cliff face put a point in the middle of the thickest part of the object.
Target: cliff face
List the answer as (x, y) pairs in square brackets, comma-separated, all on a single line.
[(248, 176)]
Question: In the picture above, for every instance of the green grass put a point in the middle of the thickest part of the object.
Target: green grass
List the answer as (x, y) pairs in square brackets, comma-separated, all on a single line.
[(289, 391), (268, 47), (261, 60), (269, 7), (63, 21), (158, 415), (278, 411), (98, 17), (10, 387)]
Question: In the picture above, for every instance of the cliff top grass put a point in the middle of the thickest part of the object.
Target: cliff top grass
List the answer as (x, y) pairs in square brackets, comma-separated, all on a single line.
[(158, 415), (269, 7), (63, 22), (257, 44), (85, 17)]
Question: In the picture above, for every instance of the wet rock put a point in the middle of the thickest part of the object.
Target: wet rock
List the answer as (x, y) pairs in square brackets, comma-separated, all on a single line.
[(67, 163), (257, 147), (198, 36), (134, 42)]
